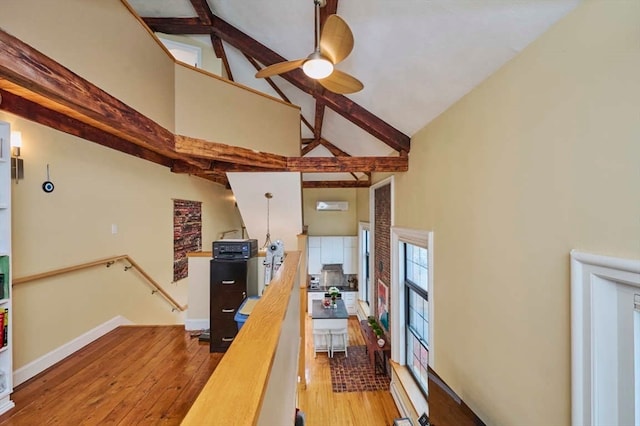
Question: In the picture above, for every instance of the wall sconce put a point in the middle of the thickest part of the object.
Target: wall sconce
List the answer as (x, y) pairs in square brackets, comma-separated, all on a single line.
[(17, 165)]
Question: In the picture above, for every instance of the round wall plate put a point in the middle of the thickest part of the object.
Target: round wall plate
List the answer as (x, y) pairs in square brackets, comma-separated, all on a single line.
[(48, 187)]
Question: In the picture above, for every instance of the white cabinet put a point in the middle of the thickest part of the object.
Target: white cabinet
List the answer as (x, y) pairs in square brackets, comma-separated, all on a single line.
[(314, 242), (331, 250), (350, 300), (315, 262), (6, 361), (311, 296), (350, 255)]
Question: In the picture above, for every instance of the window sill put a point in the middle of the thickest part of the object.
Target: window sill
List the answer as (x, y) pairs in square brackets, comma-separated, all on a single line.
[(363, 310), (408, 391)]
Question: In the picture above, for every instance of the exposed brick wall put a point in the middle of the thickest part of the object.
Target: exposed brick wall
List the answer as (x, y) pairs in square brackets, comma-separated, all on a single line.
[(382, 243), (187, 234)]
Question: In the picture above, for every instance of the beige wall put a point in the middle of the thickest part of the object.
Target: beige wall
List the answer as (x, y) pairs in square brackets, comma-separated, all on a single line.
[(540, 159), (362, 204), (126, 63), (217, 110), (327, 222), (96, 187)]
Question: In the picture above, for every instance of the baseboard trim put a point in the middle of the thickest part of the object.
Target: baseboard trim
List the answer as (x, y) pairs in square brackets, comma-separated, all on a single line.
[(196, 324), (37, 366), (6, 404)]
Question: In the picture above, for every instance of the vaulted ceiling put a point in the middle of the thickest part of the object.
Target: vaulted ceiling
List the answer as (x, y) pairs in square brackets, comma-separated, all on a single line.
[(415, 58)]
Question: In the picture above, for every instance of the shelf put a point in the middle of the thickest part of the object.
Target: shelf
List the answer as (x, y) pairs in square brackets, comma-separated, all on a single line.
[(4, 348), (4, 301), (4, 206)]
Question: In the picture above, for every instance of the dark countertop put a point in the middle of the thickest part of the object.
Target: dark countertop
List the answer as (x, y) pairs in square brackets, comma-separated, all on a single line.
[(320, 312)]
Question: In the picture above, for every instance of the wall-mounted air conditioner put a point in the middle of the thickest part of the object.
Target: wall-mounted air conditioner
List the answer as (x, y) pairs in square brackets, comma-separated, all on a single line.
[(332, 206)]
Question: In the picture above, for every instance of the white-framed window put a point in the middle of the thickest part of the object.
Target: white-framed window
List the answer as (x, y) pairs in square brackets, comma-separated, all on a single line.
[(416, 327), (412, 335), (364, 254), (183, 52)]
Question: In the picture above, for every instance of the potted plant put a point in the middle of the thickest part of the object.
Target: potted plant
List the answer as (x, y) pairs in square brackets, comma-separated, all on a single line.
[(377, 330), (333, 292)]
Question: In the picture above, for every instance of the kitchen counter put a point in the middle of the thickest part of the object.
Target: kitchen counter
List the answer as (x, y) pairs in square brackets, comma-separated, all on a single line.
[(321, 313), (329, 318), (341, 288)]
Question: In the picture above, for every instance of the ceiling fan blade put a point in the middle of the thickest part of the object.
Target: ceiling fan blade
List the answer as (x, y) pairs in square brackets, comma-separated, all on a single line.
[(341, 83), (336, 41), (279, 68)]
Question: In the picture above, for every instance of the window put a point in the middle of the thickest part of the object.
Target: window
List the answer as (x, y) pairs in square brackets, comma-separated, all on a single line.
[(416, 285), (412, 315), (183, 52), (367, 276)]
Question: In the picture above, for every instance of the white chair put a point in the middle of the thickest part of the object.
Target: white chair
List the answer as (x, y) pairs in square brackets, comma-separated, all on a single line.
[(321, 341), (339, 341)]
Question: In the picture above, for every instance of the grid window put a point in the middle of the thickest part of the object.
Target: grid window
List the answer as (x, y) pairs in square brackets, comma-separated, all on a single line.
[(417, 325)]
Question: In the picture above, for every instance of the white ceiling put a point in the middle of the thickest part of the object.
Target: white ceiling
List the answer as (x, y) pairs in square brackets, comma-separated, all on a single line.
[(415, 57)]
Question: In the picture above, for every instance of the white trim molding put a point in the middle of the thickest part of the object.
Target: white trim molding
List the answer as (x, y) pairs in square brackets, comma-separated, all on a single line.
[(196, 324), (36, 366), (590, 273), (363, 226)]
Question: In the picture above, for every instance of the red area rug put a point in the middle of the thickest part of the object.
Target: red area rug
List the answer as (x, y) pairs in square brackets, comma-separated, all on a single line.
[(354, 373)]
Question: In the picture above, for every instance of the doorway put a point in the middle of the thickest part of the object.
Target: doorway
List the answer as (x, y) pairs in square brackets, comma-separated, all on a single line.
[(605, 324)]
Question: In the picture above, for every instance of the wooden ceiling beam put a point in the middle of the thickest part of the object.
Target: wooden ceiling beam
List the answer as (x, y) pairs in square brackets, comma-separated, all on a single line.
[(31, 111), (335, 184), (347, 164), (33, 76), (233, 154), (178, 25), (317, 129), (244, 159), (330, 8), (310, 146), (202, 10), (218, 176), (333, 149), (218, 48), (342, 105)]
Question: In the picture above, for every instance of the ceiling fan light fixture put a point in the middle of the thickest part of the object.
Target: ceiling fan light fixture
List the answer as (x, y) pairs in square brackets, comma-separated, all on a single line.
[(317, 66)]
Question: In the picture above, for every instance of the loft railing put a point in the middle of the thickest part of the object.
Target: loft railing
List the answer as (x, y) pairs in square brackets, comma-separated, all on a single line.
[(256, 381), (108, 262)]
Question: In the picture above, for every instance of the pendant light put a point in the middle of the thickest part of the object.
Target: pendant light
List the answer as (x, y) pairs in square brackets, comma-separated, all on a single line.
[(267, 242)]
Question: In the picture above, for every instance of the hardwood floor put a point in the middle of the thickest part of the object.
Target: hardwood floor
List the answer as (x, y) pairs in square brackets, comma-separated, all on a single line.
[(323, 407), (133, 375), (152, 374)]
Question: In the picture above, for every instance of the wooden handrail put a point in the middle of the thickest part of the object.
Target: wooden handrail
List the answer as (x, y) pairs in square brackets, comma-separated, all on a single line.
[(249, 384), (106, 261)]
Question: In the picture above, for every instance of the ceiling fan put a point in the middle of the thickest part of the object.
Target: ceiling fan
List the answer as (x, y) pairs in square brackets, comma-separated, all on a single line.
[(332, 47)]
